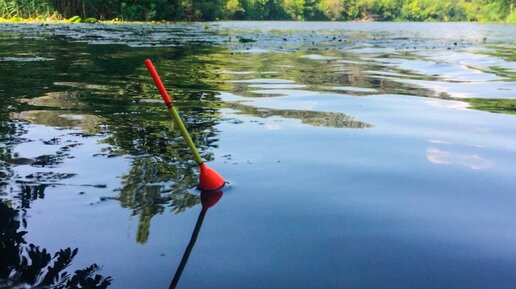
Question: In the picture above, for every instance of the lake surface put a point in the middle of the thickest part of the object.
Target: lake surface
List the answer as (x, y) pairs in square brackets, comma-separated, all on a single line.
[(358, 155)]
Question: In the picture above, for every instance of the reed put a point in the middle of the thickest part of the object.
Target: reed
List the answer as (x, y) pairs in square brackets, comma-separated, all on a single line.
[(26, 9)]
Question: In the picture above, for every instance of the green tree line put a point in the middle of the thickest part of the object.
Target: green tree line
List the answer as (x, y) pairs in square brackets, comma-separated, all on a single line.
[(208, 10)]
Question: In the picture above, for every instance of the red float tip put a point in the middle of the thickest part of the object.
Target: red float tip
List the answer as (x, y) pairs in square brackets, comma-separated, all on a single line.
[(159, 84), (209, 179)]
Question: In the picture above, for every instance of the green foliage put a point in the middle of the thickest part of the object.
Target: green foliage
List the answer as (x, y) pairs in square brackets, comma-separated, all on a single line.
[(233, 9), (262, 10), (339, 9), (493, 11), (387, 10), (75, 19), (511, 18), (90, 20), (429, 10), (208, 10), (295, 8)]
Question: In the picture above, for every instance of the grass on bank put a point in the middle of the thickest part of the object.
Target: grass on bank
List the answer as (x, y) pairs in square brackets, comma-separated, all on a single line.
[(52, 19), (56, 19), (91, 20)]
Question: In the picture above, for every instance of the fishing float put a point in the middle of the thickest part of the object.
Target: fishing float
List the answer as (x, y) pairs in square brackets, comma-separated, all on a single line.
[(209, 179)]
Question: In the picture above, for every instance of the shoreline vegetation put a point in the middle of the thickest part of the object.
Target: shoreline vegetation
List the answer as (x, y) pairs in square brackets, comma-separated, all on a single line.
[(113, 11)]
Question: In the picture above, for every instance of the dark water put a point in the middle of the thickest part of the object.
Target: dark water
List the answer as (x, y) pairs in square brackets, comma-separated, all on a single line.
[(359, 155)]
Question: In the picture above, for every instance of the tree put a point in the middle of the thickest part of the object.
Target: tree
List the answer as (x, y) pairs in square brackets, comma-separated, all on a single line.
[(294, 8), (339, 9), (233, 9)]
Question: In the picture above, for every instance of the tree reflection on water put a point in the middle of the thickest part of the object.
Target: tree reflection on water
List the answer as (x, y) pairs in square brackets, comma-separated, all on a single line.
[(162, 170), (28, 266), (104, 90), (22, 264)]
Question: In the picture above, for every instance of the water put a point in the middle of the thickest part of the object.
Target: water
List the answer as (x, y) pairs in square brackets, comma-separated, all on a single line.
[(359, 155)]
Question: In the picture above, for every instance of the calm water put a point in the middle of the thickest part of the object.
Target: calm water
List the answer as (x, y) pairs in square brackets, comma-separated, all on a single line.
[(359, 155)]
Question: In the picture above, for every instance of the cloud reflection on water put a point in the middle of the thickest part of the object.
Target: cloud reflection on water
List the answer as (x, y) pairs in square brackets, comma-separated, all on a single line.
[(442, 157)]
